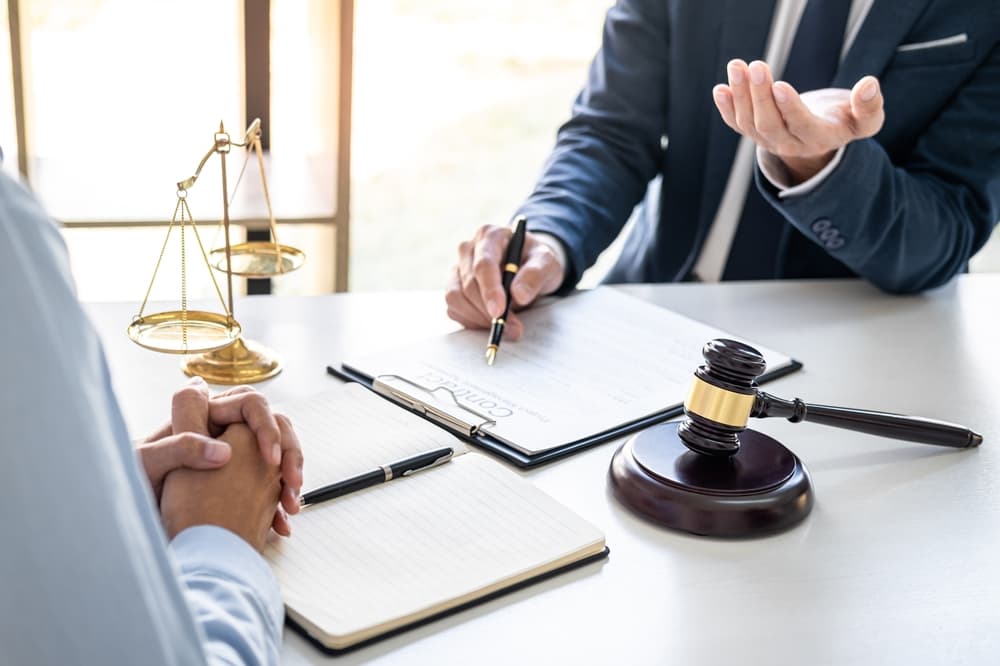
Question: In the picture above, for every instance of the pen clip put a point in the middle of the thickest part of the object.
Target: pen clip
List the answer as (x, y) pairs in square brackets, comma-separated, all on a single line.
[(437, 461), (437, 412)]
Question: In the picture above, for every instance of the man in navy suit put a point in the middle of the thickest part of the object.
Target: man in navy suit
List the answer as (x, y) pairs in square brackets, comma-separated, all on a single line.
[(866, 143)]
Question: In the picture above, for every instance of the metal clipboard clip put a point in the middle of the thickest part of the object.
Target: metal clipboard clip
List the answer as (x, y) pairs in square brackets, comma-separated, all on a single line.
[(447, 414)]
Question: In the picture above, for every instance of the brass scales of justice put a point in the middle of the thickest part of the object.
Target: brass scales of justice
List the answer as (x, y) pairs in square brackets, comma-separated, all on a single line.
[(213, 342)]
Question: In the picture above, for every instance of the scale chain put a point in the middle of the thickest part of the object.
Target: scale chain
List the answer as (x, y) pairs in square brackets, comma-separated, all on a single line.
[(159, 260)]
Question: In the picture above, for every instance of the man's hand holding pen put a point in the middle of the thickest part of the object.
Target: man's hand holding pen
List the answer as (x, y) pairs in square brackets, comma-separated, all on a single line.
[(475, 294), (511, 266)]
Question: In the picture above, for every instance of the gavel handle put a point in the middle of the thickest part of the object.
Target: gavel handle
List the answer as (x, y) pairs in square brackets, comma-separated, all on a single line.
[(895, 426)]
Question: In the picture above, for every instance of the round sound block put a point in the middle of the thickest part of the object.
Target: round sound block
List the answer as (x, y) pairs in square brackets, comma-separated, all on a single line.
[(761, 489)]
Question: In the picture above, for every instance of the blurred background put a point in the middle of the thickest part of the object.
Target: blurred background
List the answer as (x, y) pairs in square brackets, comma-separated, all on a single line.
[(393, 128)]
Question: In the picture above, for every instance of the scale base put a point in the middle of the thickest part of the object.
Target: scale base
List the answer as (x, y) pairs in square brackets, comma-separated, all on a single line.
[(762, 489), (242, 362)]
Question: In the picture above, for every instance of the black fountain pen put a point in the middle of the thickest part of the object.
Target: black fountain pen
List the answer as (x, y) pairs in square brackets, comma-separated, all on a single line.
[(384, 473), (511, 264)]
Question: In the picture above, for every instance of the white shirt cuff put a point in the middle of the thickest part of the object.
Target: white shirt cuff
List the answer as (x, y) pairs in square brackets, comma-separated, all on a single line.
[(557, 248), (777, 174)]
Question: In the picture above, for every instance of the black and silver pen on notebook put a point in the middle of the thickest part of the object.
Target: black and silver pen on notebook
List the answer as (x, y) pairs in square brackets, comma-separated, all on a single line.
[(511, 264), (382, 474)]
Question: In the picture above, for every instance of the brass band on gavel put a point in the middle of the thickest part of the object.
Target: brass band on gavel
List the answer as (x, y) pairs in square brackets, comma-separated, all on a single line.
[(719, 405)]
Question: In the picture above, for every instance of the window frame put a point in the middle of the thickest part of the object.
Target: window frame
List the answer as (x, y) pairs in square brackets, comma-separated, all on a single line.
[(256, 27)]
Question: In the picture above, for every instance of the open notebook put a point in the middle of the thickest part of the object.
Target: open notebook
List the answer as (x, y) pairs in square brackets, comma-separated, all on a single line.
[(591, 367), (400, 553)]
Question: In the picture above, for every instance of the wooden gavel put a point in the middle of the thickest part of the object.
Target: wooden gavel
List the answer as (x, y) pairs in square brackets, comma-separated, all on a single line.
[(724, 395)]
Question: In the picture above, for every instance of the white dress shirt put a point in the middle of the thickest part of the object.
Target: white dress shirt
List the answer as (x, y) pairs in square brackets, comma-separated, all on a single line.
[(85, 571)]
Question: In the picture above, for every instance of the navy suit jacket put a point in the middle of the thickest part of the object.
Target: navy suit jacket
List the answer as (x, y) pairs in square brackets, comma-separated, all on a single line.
[(904, 209)]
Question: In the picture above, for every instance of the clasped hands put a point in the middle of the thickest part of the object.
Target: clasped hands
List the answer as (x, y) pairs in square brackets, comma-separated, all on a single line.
[(802, 132), (224, 460)]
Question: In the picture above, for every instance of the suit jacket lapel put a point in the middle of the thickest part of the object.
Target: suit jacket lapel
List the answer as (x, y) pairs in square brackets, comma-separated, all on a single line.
[(744, 31), (883, 30)]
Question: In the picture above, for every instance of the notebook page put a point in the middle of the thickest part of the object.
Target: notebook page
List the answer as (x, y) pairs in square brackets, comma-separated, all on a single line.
[(375, 560), (349, 430), (586, 364)]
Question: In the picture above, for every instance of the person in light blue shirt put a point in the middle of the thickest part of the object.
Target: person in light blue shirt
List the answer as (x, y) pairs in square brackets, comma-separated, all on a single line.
[(87, 572)]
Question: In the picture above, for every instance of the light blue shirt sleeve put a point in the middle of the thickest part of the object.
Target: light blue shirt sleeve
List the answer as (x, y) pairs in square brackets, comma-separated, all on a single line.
[(232, 593), (86, 572)]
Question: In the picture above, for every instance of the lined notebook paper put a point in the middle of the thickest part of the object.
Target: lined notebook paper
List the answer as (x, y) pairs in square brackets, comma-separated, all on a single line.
[(347, 432), (403, 551)]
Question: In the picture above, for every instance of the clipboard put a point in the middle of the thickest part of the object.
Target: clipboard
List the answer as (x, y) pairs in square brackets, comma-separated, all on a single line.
[(440, 406)]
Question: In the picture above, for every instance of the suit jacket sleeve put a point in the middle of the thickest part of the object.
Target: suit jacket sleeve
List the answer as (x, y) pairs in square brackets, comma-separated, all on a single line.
[(607, 153), (914, 224)]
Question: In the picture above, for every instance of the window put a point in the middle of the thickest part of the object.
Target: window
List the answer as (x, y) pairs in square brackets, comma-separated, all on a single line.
[(122, 98), (456, 106)]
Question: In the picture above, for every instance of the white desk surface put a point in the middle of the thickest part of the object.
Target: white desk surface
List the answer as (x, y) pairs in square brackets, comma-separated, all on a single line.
[(897, 564)]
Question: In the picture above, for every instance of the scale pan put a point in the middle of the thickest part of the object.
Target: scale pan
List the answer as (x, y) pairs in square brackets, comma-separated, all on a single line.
[(165, 331), (259, 259)]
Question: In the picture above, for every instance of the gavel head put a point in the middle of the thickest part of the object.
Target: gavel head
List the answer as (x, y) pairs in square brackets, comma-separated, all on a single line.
[(721, 398)]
